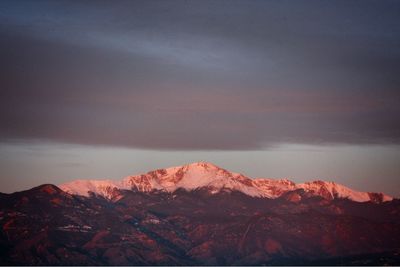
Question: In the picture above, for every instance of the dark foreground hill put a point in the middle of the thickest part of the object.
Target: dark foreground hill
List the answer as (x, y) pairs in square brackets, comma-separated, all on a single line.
[(46, 226)]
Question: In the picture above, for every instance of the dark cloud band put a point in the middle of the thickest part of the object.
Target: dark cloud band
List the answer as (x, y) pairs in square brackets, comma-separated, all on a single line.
[(218, 75)]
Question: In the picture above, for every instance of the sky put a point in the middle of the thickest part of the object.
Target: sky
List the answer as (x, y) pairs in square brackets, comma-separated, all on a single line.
[(103, 89)]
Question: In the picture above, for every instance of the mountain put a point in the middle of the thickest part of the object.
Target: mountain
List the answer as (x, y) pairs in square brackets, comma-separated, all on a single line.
[(207, 175), (47, 226), (198, 214)]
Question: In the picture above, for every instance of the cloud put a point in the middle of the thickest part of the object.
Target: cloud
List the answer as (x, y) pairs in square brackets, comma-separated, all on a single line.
[(203, 75)]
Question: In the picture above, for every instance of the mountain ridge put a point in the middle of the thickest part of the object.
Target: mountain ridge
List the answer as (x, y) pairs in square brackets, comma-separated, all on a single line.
[(208, 175), (48, 226)]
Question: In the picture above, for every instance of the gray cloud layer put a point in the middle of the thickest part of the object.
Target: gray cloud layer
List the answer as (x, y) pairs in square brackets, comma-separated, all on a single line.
[(199, 74)]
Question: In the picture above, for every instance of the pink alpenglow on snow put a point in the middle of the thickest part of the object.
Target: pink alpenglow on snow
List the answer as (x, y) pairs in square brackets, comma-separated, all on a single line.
[(207, 175)]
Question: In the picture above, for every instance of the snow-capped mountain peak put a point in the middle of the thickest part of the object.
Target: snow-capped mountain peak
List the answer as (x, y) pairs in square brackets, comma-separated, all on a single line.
[(207, 175), (84, 187), (192, 176), (332, 190)]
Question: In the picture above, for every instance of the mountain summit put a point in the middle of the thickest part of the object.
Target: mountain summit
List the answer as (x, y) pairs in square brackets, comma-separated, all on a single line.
[(198, 215), (215, 179)]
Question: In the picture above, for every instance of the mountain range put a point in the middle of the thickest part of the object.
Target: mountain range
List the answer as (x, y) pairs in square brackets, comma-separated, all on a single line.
[(198, 214), (207, 175)]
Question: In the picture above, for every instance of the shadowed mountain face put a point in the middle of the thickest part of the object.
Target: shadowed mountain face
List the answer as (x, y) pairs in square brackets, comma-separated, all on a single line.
[(46, 226)]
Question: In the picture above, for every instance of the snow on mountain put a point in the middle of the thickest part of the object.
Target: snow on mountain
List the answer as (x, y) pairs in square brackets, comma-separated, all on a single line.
[(273, 188), (192, 176), (207, 175), (331, 190), (99, 187)]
